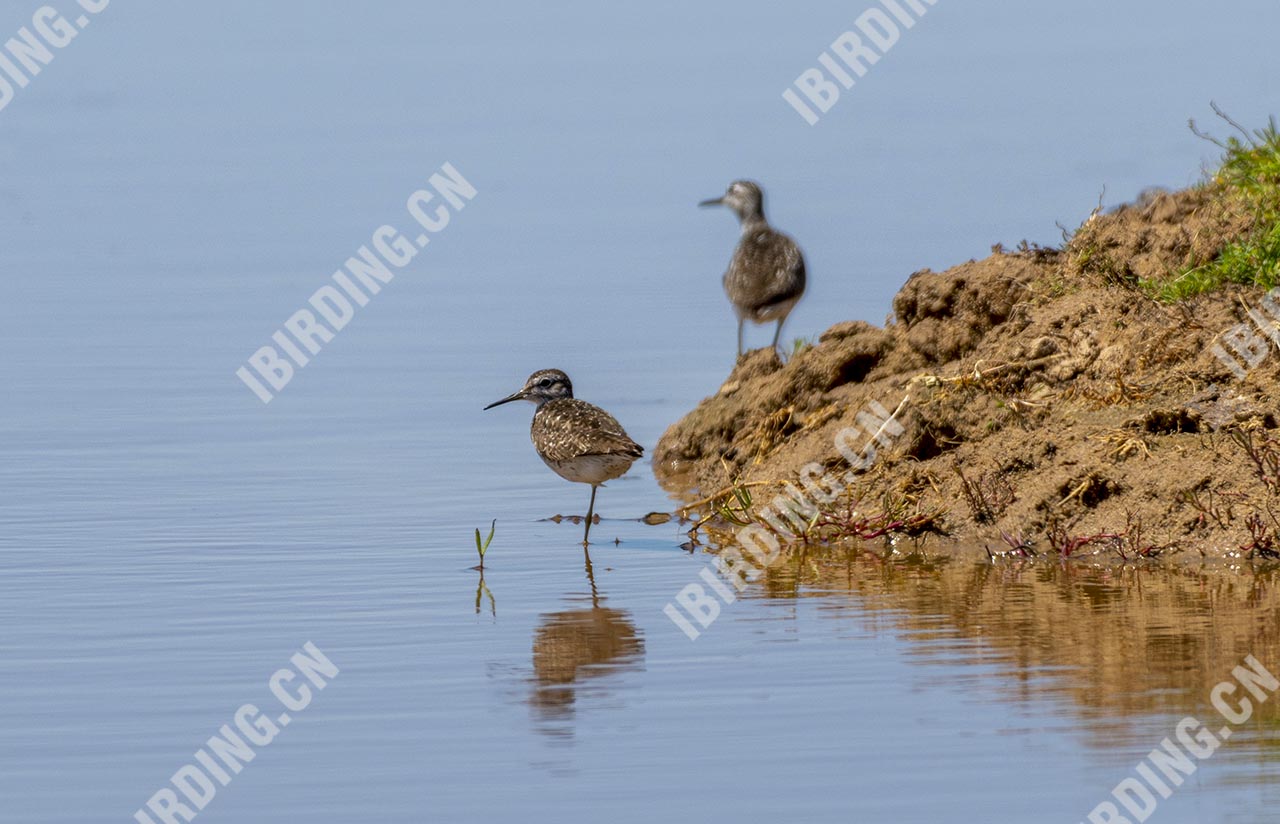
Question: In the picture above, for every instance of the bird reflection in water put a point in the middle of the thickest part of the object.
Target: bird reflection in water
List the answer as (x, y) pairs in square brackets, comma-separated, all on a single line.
[(574, 647)]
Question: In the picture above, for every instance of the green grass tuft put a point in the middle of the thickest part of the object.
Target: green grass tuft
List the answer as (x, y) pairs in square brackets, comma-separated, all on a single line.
[(800, 345), (1251, 170)]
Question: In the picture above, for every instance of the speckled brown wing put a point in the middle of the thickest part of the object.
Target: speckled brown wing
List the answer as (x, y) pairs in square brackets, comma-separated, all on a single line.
[(767, 268), (567, 429)]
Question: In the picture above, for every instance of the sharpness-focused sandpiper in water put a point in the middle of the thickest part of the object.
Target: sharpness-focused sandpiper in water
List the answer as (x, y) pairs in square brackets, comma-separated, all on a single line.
[(580, 442)]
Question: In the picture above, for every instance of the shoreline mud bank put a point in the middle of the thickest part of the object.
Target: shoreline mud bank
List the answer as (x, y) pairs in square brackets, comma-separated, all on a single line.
[(1050, 400)]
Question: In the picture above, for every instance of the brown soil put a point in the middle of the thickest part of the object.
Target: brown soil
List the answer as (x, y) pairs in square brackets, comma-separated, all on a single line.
[(1044, 380)]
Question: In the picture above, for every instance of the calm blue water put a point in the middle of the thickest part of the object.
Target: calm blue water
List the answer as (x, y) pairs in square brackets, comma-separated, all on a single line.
[(182, 177)]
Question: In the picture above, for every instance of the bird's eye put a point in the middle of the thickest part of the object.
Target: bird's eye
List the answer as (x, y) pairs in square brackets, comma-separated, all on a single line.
[(544, 383)]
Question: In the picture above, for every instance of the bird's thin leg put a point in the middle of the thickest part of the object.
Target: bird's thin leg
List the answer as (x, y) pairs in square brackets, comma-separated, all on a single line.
[(740, 322), (591, 508), (778, 333)]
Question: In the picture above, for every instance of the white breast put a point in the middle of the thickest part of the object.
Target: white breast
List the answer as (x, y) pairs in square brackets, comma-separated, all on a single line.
[(591, 469)]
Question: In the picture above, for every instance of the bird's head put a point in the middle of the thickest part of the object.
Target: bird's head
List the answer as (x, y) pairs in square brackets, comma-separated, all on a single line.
[(542, 386), (744, 197)]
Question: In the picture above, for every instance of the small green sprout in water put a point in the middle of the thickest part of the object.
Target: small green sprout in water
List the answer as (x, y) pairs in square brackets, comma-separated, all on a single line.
[(483, 547)]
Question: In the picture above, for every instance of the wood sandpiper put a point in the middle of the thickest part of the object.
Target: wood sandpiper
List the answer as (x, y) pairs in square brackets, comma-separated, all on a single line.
[(765, 278), (580, 442)]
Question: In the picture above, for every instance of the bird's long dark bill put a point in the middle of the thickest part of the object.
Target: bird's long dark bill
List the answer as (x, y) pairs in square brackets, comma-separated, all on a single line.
[(514, 396), (715, 201)]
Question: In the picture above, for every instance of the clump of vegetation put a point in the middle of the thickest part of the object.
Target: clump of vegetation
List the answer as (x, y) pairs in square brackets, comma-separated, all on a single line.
[(1129, 543), (987, 495), (1250, 171), (1264, 456), (1265, 536), (1216, 508), (800, 345), (863, 515), (737, 511), (897, 514), (1020, 546)]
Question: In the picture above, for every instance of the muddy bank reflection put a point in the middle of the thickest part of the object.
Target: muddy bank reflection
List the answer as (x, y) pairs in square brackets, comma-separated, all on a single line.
[(573, 650), (1117, 643)]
